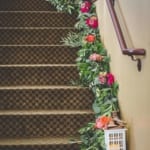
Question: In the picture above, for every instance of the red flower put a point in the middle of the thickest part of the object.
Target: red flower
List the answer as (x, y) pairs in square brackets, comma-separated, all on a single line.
[(102, 122), (85, 7), (110, 79), (92, 22), (90, 38), (96, 57)]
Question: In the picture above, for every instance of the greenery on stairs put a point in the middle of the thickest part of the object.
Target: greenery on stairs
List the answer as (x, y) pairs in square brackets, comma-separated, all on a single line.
[(65, 5), (93, 65)]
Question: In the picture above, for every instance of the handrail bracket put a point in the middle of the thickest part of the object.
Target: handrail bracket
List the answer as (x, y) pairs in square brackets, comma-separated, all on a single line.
[(139, 62)]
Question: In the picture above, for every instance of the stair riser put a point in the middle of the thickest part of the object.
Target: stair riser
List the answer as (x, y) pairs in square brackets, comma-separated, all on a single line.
[(36, 20), (53, 75), (32, 36), (38, 55), (42, 147), (48, 99), (25, 5), (42, 125)]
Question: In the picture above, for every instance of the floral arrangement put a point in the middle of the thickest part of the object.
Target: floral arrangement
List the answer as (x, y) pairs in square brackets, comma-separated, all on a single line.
[(94, 71)]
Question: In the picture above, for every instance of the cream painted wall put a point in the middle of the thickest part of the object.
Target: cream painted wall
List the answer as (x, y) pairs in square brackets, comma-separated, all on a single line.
[(134, 93)]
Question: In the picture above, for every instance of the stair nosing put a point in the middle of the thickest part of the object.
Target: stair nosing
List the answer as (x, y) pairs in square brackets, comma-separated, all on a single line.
[(51, 12), (33, 45), (43, 112), (37, 65), (40, 87), (36, 28), (39, 141)]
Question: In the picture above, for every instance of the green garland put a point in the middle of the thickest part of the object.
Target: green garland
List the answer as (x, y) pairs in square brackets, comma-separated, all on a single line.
[(65, 5), (94, 70)]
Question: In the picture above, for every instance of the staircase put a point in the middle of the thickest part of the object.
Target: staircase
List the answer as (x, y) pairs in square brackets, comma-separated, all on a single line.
[(39, 109)]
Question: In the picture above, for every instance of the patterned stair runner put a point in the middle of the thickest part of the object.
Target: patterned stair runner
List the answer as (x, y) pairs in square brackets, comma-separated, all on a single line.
[(39, 108)]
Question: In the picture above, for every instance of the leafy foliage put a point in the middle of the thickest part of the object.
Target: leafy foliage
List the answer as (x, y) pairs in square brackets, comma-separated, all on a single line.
[(73, 39), (92, 139), (93, 65), (65, 5)]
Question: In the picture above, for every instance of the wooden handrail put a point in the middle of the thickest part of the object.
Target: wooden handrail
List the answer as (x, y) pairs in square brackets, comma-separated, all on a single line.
[(125, 50)]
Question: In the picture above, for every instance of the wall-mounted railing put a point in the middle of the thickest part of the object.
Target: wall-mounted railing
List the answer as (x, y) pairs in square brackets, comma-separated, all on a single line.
[(132, 52)]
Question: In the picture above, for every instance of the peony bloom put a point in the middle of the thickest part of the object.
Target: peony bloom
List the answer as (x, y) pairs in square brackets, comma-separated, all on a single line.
[(96, 57), (102, 122), (90, 38), (110, 79), (102, 77), (85, 7), (92, 22)]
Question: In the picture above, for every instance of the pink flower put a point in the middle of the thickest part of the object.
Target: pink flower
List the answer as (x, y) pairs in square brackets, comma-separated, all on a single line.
[(85, 7), (110, 79), (96, 57), (92, 22), (93, 57), (102, 77), (106, 78), (102, 122)]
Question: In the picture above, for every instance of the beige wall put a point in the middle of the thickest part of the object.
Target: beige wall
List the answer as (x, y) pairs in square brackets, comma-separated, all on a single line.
[(134, 93)]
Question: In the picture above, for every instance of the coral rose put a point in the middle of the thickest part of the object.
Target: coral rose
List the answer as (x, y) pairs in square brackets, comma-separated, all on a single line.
[(102, 122), (85, 7), (90, 38)]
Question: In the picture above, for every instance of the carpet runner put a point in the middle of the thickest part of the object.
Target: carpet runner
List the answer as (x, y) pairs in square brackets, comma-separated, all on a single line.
[(39, 107)]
